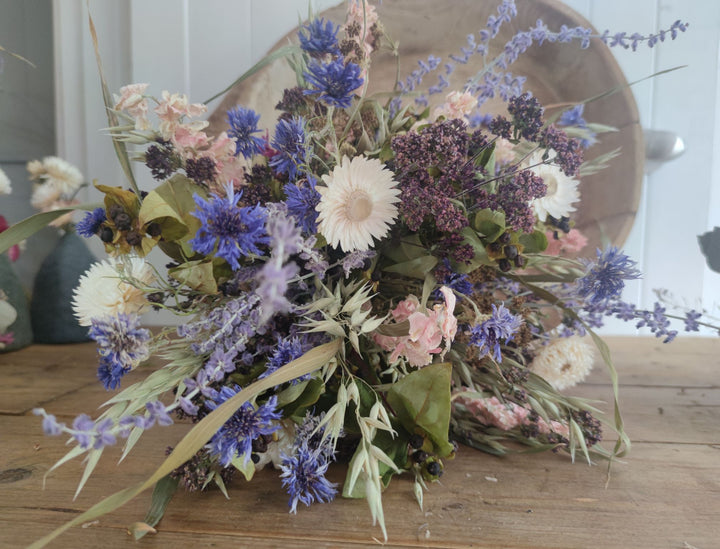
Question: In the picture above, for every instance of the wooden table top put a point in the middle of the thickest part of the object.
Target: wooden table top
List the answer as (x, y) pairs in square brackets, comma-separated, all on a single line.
[(666, 493)]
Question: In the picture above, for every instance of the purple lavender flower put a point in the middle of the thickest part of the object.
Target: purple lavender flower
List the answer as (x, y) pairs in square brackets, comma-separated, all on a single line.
[(236, 436), (502, 324), (691, 324), (156, 413), (50, 423), (356, 260), (334, 82), (236, 231), (274, 281), (90, 224), (301, 201), (289, 142), (605, 278), (319, 37), (243, 124), (83, 430)]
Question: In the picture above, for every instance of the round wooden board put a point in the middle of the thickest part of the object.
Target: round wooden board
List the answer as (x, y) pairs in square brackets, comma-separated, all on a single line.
[(556, 73)]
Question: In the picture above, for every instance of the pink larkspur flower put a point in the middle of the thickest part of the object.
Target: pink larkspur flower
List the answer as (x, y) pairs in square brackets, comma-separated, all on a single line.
[(132, 100), (457, 106)]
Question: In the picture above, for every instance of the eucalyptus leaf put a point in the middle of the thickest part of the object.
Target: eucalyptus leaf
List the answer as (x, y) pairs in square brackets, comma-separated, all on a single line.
[(197, 275), (421, 401), (534, 242), (29, 226), (170, 205), (415, 268)]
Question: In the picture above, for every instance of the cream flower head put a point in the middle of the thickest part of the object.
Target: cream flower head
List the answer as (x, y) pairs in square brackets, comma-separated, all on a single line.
[(564, 363), (101, 292), (5, 187), (357, 203), (562, 190)]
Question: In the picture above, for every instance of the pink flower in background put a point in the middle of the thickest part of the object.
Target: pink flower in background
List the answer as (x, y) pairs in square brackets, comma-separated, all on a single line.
[(172, 109), (504, 151), (14, 251), (405, 308), (457, 106), (131, 99), (572, 242)]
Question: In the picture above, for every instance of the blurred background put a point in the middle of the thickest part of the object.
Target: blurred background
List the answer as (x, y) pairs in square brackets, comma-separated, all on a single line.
[(199, 47)]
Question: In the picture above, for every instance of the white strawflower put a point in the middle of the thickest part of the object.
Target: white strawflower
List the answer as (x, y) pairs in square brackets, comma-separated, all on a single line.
[(101, 291), (62, 174), (5, 187), (357, 203), (564, 362), (562, 190), (45, 196)]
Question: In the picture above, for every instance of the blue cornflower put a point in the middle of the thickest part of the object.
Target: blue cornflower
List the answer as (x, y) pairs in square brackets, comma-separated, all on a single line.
[(335, 82), (301, 201), (287, 350), (319, 37), (303, 476), (303, 473), (243, 124), (502, 324), (121, 341), (604, 279), (236, 231), (289, 142), (458, 282), (90, 224), (110, 373), (573, 117), (236, 436)]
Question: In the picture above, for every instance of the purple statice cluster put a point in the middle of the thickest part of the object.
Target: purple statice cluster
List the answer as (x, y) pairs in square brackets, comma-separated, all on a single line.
[(513, 198), (527, 116), (235, 437), (303, 472), (227, 230), (502, 325), (568, 151), (97, 434), (121, 344), (428, 165)]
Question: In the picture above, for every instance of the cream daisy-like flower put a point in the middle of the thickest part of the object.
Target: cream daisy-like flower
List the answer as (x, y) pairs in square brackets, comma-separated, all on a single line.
[(564, 362), (102, 292), (56, 172), (5, 187), (45, 196), (562, 190), (357, 203)]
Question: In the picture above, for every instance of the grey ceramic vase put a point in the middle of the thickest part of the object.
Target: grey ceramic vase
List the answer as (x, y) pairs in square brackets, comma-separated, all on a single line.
[(51, 311), (21, 328)]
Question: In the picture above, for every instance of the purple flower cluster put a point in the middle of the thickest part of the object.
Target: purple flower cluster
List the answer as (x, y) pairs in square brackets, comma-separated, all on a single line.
[(121, 345), (334, 82), (234, 439), (440, 149), (234, 231), (502, 324), (290, 148), (513, 197), (89, 433), (568, 151), (90, 224), (319, 38), (287, 350), (526, 113), (243, 124), (574, 117), (303, 472), (301, 201), (604, 278)]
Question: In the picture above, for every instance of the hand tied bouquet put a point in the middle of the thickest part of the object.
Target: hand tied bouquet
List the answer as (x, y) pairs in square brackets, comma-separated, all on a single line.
[(374, 281)]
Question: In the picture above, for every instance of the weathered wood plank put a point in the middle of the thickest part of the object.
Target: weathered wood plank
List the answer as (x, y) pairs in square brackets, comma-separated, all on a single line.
[(662, 495), (686, 362)]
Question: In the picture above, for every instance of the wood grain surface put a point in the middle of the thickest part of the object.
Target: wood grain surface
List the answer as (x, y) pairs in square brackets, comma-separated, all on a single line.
[(666, 493)]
